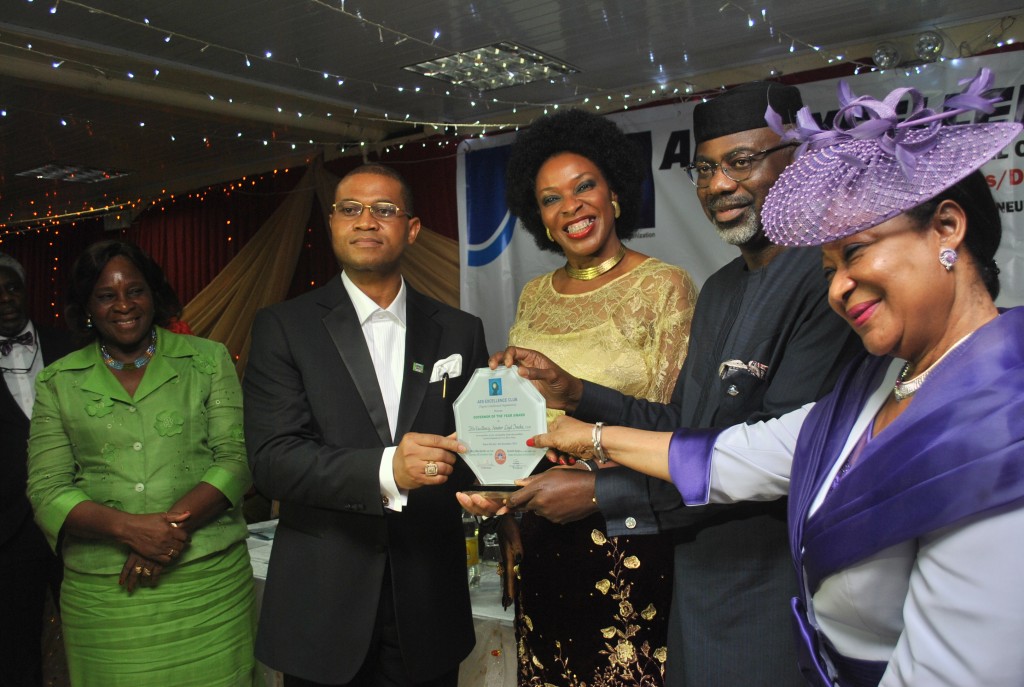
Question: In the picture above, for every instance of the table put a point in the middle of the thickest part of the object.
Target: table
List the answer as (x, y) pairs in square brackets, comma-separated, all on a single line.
[(492, 663), (260, 543)]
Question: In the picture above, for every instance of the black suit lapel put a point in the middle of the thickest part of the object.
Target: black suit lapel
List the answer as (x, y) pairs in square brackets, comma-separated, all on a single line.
[(343, 327), (9, 407), (422, 337)]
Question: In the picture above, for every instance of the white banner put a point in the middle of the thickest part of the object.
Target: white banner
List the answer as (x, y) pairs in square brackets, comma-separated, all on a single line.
[(498, 257)]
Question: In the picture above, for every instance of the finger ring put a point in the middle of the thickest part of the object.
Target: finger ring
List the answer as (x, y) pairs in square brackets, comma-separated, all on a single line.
[(170, 554), (431, 469), (138, 569), (146, 572), (174, 525)]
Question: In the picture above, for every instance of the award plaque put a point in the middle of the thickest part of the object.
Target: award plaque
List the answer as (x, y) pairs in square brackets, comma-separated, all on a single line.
[(494, 416)]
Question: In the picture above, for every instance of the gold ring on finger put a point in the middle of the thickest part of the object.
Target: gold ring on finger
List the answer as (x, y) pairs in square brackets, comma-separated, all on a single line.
[(138, 569), (146, 572), (430, 470)]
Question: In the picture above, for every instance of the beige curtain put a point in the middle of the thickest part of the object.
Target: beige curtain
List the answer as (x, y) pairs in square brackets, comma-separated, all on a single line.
[(262, 271), (432, 266)]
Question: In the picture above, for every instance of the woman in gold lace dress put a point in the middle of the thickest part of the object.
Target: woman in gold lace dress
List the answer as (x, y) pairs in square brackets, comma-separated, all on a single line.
[(621, 319)]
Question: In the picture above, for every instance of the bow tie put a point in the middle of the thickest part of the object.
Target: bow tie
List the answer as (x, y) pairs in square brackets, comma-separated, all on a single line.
[(7, 345)]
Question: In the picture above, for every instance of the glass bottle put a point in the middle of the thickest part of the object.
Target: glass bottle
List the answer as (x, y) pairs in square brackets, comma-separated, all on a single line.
[(469, 528)]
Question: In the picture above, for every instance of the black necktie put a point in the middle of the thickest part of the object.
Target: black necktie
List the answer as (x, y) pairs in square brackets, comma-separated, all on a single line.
[(7, 345)]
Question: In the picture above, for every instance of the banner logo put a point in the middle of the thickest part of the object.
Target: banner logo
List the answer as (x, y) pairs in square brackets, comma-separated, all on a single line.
[(489, 223)]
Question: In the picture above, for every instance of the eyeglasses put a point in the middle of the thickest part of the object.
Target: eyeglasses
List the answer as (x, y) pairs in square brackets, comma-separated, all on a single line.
[(350, 209), (738, 168), (23, 370)]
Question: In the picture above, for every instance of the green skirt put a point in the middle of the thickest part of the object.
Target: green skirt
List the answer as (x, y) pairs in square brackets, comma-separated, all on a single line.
[(196, 627)]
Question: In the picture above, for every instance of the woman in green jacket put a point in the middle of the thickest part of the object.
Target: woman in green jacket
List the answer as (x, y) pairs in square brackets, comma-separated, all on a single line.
[(137, 469)]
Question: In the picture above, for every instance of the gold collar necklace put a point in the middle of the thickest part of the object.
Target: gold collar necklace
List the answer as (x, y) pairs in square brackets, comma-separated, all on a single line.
[(588, 273)]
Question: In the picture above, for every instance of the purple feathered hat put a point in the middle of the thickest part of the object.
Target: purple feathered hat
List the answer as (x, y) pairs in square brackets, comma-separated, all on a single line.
[(871, 166)]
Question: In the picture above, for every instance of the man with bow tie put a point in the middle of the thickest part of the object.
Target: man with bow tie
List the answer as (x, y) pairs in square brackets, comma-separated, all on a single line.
[(348, 404), (27, 566)]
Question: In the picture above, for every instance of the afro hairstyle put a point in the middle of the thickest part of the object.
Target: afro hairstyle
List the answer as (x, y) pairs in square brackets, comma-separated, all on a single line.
[(589, 135)]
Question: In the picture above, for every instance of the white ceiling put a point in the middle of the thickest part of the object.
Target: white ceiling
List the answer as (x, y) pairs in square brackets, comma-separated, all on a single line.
[(182, 94)]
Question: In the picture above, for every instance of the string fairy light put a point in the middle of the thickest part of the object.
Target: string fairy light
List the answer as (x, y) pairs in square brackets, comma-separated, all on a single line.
[(782, 37), (268, 55), (49, 218), (407, 118), (668, 88), (994, 36), (53, 223)]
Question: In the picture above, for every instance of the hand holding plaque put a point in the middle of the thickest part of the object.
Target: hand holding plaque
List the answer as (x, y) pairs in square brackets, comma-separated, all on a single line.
[(494, 416)]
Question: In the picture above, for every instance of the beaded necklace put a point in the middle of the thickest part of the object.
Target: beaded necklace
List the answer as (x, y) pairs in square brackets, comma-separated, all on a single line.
[(139, 362)]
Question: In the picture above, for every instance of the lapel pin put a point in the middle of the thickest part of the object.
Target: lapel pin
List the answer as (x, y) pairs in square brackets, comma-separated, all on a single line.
[(417, 367)]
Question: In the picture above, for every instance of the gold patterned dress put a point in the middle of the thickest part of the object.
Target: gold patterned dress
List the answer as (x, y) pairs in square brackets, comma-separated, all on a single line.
[(592, 610)]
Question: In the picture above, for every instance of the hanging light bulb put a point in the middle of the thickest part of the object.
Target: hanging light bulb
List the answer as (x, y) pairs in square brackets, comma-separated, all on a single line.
[(928, 46), (886, 55)]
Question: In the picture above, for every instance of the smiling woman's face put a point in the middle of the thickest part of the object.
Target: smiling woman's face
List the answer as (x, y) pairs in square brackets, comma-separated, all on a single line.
[(576, 206), (887, 282), (122, 309)]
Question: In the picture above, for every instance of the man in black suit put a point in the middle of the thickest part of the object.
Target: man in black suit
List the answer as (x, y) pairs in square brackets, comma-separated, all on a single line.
[(348, 395), (27, 566)]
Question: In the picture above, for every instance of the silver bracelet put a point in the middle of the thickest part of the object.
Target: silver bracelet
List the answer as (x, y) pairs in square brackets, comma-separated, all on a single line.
[(595, 437)]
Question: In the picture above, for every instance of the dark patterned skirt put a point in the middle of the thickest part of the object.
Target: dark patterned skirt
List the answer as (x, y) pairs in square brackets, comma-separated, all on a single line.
[(592, 610)]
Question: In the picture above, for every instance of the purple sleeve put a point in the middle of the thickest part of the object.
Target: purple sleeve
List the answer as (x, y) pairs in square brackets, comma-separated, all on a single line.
[(689, 463)]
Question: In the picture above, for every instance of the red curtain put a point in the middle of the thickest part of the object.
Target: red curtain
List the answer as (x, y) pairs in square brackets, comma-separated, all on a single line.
[(191, 237), (47, 257)]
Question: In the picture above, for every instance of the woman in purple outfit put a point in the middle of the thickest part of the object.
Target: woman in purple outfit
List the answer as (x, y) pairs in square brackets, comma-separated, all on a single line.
[(906, 483)]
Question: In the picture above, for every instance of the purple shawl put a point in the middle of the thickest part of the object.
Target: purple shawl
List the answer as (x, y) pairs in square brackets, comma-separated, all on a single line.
[(955, 452)]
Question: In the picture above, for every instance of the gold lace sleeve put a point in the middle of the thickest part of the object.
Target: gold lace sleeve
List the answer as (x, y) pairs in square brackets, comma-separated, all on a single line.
[(671, 336)]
